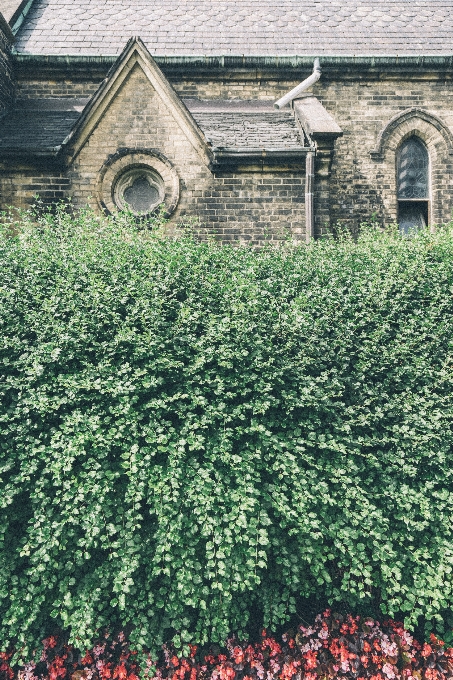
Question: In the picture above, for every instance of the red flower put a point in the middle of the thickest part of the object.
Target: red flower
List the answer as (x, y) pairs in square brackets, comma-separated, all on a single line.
[(311, 660), (87, 659), (431, 674), (426, 650), (120, 672), (238, 654), (335, 648), (50, 642)]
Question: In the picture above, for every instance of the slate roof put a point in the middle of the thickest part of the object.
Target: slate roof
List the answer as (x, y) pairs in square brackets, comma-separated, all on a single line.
[(8, 7), (38, 127), (41, 126), (245, 124), (240, 27)]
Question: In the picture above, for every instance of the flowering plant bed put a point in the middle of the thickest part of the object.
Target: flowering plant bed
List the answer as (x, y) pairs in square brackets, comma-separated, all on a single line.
[(334, 646)]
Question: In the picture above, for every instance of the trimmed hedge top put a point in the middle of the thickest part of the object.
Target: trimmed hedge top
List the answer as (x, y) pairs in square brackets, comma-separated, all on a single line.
[(191, 433)]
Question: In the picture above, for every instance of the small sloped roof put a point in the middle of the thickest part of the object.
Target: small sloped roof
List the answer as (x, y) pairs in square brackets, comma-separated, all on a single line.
[(245, 124), (40, 127), (240, 27)]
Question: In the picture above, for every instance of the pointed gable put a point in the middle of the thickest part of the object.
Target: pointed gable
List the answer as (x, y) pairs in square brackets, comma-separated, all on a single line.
[(135, 61)]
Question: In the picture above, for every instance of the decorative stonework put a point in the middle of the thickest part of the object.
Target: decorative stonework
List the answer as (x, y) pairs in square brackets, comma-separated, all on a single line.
[(140, 190), (438, 139), (410, 119), (140, 180)]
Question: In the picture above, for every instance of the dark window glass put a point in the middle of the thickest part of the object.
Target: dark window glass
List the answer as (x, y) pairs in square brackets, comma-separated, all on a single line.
[(413, 167), (412, 215), (141, 196)]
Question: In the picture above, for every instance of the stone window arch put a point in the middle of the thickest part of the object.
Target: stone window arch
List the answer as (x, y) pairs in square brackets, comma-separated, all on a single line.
[(413, 184), (433, 134)]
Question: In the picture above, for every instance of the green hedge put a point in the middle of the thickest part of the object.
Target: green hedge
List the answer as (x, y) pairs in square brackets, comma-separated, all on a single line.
[(193, 433)]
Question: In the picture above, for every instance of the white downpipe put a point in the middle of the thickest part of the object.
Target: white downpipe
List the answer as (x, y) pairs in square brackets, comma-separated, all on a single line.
[(311, 80)]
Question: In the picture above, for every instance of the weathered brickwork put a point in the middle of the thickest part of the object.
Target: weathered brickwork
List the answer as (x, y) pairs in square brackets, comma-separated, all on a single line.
[(254, 206), (45, 89), (361, 186), (248, 86), (263, 203), (21, 188)]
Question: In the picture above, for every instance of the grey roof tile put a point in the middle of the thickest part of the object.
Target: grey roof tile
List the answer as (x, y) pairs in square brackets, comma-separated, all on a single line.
[(36, 126), (9, 7), (242, 27), (245, 124), (28, 130)]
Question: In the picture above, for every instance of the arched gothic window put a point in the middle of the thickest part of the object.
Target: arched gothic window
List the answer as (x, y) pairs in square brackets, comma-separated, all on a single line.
[(413, 184)]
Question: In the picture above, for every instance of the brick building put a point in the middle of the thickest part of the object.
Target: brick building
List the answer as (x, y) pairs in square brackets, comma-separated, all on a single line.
[(183, 113)]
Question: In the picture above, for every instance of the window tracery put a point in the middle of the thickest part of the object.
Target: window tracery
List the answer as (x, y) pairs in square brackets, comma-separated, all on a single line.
[(412, 184), (413, 166)]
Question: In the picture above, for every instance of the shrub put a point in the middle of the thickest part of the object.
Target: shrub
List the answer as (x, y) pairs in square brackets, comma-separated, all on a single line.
[(192, 435)]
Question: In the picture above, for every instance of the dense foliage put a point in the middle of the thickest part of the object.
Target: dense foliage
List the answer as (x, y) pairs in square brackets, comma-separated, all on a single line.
[(334, 647), (192, 435)]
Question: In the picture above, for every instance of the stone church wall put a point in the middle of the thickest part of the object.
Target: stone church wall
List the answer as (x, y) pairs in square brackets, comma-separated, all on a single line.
[(251, 206), (361, 186), (25, 184), (256, 204)]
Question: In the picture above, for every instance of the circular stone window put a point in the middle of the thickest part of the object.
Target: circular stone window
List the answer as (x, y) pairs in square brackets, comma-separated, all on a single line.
[(140, 190), (139, 181)]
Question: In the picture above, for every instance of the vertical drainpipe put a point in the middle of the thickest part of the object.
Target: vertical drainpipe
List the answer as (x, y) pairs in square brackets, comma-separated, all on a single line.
[(309, 196), (310, 157)]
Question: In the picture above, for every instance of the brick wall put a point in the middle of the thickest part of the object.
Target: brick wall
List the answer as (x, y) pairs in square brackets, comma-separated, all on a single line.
[(38, 88), (19, 189), (253, 206), (359, 186)]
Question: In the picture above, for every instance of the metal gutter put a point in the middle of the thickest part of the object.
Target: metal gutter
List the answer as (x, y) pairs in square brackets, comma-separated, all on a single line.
[(19, 15), (235, 61), (32, 152), (231, 156)]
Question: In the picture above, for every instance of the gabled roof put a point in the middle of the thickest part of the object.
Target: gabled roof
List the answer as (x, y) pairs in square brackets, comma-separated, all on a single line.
[(135, 53), (240, 27)]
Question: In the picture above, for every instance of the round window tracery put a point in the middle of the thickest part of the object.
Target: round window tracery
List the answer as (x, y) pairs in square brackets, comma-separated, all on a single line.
[(140, 190), (140, 181)]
